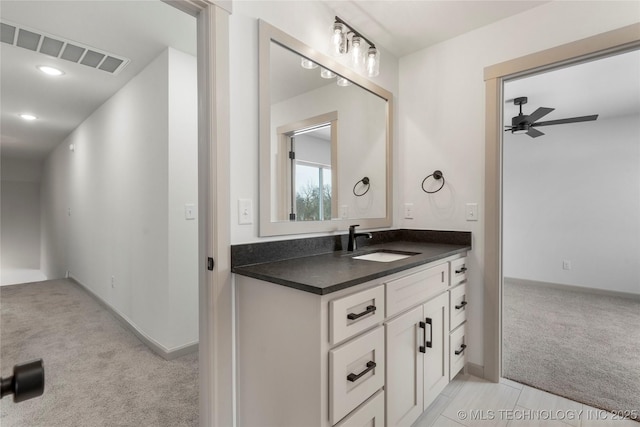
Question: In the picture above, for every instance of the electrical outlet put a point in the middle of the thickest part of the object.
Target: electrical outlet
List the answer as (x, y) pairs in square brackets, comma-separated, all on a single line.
[(566, 264), (344, 211), (113, 282), (408, 210)]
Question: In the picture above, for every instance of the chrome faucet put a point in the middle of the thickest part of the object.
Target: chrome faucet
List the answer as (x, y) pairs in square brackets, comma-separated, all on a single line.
[(353, 235)]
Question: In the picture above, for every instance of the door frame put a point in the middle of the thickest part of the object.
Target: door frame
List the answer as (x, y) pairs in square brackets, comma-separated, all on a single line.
[(601, 45), (215, 295)]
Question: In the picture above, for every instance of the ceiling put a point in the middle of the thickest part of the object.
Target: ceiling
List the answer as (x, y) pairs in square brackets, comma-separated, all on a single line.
[(609, 87), (61, 103), (124, 28)]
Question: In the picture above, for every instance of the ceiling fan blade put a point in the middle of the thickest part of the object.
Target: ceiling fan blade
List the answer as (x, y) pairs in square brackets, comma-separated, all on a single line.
[(570, 120), (538, 114), (534, 133)]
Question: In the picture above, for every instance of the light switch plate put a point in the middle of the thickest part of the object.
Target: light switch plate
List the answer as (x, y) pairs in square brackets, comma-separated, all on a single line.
[(245, 211), (472, 211), (189, 211)]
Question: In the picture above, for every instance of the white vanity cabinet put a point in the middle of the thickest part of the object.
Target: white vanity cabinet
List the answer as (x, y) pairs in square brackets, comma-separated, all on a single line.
[(377, 353), (458, 305)]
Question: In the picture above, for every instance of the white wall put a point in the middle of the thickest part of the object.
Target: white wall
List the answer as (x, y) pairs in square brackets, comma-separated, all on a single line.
[(575, 195), (441, 118), (20, 214), (126, 184), (310, 25)]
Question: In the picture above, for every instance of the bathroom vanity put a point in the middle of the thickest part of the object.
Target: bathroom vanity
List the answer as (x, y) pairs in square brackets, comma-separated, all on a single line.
[(336, 340)]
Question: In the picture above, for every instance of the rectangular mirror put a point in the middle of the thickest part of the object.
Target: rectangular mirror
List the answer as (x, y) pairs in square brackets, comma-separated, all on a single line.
[(325, 142)]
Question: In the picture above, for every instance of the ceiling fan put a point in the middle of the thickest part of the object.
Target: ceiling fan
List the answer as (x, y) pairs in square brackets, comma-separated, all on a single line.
[(526, 124)]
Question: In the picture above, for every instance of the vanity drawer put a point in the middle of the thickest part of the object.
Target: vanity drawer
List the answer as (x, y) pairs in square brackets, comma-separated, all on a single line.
[(371, 413), (458, 270), (457, 344), (410, 290), (457, 306), (356, 372), (355, 313)]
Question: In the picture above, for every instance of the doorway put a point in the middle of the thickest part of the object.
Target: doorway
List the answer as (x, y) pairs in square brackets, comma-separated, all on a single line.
[(571, 238), (619, 40)]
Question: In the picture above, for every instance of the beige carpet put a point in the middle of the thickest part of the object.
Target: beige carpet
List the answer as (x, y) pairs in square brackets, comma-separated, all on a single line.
[(575, 344), (97, 372)]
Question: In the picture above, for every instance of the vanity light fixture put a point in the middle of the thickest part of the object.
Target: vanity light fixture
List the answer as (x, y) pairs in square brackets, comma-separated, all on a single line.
[(51, 71), (28, 117), (345, 39)]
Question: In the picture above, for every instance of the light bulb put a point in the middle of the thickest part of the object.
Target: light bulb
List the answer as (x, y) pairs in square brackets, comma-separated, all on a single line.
[(50, 70), (343, 82), (357, 57), (308, 64), (373, 62), (338, 39), (327, 74)]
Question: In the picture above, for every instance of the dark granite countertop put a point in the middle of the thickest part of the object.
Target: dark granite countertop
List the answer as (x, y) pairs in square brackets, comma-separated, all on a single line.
[(330, 272)]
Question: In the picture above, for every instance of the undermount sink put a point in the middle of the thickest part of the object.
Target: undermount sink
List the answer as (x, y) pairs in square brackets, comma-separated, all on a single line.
[(385, 256)]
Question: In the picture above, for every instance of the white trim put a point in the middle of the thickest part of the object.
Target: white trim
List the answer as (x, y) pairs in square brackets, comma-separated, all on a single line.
[(561, 286), (215, 295), (155, 346)]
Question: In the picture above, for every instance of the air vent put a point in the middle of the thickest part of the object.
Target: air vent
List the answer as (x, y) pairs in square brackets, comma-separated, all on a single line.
[(57, 47)]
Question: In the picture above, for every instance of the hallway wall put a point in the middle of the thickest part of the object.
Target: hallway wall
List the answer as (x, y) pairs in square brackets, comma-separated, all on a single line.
[(20, 213), (115, 205)]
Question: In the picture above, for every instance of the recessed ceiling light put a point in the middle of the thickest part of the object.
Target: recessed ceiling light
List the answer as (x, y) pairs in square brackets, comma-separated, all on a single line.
[(28, 116), (50, 70)]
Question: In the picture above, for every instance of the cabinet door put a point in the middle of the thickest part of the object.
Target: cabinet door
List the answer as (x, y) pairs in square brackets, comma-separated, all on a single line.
[(404, 368), (436, 357)]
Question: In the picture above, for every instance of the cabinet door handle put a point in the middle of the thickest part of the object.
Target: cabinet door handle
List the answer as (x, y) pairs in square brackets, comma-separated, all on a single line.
[(462, 304), (462, 270), (355, 377), (459, 352), (354, 316), (427, 344), (423, 348)]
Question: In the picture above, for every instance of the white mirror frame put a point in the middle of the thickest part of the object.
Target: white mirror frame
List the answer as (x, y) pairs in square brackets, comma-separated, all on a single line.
[(268, 34)]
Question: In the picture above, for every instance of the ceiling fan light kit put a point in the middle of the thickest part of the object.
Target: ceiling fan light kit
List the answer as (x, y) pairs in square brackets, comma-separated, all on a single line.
[(526, 124)]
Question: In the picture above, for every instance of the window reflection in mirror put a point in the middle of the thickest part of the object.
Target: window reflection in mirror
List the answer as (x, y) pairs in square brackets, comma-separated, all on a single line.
[(306, 163)]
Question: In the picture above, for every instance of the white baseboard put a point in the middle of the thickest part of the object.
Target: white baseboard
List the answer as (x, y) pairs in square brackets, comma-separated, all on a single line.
[(475, 370), (560, 286), (156, 347)]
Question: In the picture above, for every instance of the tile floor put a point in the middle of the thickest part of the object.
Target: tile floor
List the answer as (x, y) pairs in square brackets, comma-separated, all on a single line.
[(471, 401)]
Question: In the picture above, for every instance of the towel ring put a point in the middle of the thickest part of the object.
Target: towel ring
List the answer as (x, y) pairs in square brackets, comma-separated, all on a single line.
[(437, 175), (364, 181)]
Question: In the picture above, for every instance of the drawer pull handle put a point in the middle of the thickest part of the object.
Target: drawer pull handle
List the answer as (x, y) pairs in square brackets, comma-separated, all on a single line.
[(462, 270), (370, 309), (462, 304), (427, 344), (355, 377), (459, 352)]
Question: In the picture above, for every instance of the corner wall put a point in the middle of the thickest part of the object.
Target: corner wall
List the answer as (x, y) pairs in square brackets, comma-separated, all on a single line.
[(125, 187), (442, 112), (20, 214), (575, 196)]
